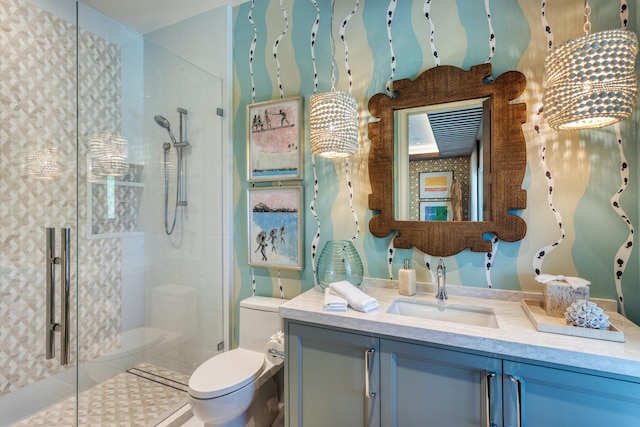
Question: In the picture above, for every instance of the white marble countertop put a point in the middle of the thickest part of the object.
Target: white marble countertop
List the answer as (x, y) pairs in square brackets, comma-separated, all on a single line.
[(515, 336)]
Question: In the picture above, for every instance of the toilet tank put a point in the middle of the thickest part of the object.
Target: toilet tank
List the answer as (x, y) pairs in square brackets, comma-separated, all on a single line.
[(259, 319)]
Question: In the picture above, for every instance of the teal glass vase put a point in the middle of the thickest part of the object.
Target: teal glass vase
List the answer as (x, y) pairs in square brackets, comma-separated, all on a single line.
[(339, 261)]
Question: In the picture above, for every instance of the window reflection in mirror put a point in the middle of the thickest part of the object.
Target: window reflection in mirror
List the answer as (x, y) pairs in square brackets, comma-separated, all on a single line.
[(442, 161)]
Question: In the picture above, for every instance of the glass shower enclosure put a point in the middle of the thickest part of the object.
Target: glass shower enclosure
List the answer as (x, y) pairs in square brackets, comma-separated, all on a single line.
[(81, 157)]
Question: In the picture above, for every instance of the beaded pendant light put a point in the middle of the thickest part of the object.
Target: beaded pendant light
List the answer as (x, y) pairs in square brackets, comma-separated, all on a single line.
[(333, 117), (591, 80)]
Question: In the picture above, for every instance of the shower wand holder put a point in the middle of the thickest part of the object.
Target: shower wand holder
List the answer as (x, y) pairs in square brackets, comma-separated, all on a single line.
[(183, 144), (179, 145)]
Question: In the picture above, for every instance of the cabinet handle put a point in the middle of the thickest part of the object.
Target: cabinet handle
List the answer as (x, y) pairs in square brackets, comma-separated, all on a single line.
[(488, 377), (51, 326), (367, 372), (518, 383)]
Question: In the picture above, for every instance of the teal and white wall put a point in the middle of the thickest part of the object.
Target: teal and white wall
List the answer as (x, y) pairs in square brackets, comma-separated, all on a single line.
[(572, 177)]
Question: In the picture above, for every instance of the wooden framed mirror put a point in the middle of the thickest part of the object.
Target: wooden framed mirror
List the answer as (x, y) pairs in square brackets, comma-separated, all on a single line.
[(503, 168)]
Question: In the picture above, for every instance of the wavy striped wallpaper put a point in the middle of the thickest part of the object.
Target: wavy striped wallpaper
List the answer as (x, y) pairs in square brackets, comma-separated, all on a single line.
[(582, 203)]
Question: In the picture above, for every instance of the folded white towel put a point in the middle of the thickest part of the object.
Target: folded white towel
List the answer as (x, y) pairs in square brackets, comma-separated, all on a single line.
[(278, 336), (356, 298), (574, 282), (333, 301)]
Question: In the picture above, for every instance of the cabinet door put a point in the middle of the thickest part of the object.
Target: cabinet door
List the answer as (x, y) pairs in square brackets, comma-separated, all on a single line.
[(426, 386), (539, 396), (327, 378)]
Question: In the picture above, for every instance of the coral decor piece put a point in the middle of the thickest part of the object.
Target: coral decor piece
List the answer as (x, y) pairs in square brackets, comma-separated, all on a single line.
[(586, 315)]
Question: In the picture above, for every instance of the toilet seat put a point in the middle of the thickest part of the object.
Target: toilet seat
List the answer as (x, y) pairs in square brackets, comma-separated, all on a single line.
[(225, 373)]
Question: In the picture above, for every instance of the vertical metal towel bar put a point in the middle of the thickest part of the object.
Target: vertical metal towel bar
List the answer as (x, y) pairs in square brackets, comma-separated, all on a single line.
[(51, 326)]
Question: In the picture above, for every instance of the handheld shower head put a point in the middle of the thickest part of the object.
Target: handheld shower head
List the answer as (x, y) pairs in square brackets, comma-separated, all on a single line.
[(164, 123)]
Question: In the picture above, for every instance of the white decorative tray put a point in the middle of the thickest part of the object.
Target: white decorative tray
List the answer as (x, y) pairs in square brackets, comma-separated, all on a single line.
[(557, 325)]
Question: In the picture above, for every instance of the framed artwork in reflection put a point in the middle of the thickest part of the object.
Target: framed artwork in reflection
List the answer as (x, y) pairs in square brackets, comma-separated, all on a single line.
[(436, 211)]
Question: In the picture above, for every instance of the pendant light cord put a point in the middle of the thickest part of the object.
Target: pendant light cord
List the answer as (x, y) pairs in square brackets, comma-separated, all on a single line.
[(587, 14), (333, 48)]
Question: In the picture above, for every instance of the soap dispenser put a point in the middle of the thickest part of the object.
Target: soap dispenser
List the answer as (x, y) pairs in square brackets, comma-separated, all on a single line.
[(407, 279)]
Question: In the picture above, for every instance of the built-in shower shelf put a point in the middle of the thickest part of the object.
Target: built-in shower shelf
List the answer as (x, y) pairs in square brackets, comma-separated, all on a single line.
[(112, 208), (119, 183)]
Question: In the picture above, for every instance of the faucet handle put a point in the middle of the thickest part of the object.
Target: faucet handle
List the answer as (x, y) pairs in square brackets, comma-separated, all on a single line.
[(441, 293)]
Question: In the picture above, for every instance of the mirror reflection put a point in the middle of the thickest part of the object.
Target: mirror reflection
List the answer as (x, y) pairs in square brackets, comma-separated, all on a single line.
[(442, 167)]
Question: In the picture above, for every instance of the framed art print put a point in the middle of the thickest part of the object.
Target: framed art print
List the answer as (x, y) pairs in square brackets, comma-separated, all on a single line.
[(274, 140), (436, 211), (275, 227), (435, 185)]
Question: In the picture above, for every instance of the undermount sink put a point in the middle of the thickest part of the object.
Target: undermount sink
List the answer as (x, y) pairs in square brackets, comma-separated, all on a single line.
[(445, 311)]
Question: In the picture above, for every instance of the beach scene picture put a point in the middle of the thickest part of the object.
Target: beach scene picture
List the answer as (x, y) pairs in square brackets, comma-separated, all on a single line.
[(275, 227), (274, 138)]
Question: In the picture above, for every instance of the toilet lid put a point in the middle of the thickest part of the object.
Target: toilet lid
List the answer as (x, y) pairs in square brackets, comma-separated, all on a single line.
[(225, 373)]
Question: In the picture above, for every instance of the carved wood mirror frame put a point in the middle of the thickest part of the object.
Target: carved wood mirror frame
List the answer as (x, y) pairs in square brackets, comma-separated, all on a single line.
[(508, 159)]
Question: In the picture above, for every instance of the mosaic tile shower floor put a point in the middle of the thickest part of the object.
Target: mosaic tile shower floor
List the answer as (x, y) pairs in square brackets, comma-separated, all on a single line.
[(142, 396)]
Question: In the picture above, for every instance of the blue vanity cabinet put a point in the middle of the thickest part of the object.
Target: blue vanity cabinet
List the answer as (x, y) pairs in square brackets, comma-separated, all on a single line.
[(553, 397), (428, 386), (332, 378), (340, 377)]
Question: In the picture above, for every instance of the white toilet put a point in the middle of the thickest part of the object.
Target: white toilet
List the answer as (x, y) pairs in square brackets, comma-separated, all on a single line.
[(238, 388)]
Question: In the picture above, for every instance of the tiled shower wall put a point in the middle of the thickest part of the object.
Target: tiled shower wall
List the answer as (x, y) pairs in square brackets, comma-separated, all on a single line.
[(38, 108)]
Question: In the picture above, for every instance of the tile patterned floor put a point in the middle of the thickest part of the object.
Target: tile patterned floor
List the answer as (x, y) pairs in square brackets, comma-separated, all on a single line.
[(143, 396)]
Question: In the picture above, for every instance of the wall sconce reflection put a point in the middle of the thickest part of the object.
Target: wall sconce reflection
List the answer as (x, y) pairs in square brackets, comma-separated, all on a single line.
[(43, 162), (108, 156)]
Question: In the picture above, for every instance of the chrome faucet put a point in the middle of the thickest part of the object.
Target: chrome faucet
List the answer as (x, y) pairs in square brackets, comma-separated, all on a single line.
[(441, 294)]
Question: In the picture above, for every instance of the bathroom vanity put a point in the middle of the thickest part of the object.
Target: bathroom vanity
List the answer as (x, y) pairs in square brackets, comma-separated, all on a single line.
[(484, 365)]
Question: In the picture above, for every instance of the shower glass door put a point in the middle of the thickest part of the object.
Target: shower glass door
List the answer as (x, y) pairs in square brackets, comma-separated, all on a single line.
[(183, 270), (38, 187), (79, 150), (150, 306)]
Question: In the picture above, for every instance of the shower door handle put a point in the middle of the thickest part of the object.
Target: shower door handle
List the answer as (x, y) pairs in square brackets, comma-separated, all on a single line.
[(51, 325)]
